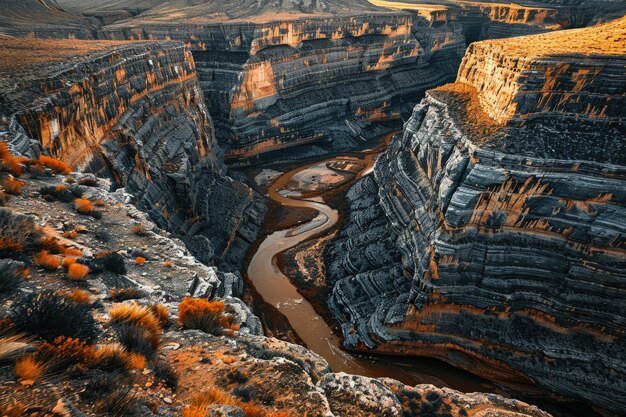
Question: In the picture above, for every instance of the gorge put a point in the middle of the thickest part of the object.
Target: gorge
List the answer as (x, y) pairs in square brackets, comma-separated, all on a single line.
[(409, 181)]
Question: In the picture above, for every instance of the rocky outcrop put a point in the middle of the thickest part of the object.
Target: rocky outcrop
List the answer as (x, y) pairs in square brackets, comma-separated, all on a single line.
[(307, 80), (136, 114), (507, 209)]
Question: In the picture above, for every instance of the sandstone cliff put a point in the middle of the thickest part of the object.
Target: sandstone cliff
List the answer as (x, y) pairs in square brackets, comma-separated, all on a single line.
[(505, 201), (134, 113)]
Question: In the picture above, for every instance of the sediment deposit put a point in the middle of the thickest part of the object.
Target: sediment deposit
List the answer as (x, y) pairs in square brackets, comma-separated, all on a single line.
[(505, 200)]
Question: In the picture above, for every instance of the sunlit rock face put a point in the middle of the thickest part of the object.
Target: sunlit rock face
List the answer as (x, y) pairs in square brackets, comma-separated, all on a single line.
[(135, 113), (273, 85), (507, 212)]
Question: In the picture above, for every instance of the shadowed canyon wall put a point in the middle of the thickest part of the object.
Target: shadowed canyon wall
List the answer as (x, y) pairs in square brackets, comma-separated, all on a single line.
[(136, 114), (491, 234)]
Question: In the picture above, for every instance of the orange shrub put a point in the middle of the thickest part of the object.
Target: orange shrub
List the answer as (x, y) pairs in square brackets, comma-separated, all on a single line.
[(47, 261), (57, 166), (135, 314), (72, 252), (78, 296), (137, 361), (140, 260), (83, 206), (161, 313), (68, 261), (198, 404), (139, 229), (205, 315), (68, 351), (8, 244), (100, 203), (102, 254), (29, 368), (10, 163), (12, 186), (70, 234), (78, 272), (168, 264), (112, 356)]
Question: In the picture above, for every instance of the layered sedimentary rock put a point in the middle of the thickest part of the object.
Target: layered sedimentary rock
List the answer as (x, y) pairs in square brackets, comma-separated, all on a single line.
[(42, 19), (505, 199), (306, 80), (135, 113)]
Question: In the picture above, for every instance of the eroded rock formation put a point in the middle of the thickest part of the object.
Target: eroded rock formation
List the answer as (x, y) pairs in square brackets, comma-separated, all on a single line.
[(134, 113), (505, 199)]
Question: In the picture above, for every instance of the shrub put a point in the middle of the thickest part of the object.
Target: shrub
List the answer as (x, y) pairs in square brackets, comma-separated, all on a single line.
[(134, 314), (57, 166), (100, 203), (12, 275), (140, 260), (161, 313), (166, 372), (64, 352), (114, 262), (12, 186), (168, 264), (118, 402), (70, 234), (78, 296), (83, 206), (139, 229), (112, 357), (18, 235), (78, 272), (10, 163), (47, 261), (137, 361), (205, 315), (67, 262), (123, 294), (199, 403), (29, 368), (58, 193), (137, 339), (88, 181), (50, 315)]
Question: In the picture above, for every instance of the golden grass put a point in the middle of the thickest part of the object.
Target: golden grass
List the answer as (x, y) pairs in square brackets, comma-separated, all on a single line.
[(47, 261), (132, 313), (77, 272), (28, 368), (112, 356)]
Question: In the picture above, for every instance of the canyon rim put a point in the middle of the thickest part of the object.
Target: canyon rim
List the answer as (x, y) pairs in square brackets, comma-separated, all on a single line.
[(312, 208)]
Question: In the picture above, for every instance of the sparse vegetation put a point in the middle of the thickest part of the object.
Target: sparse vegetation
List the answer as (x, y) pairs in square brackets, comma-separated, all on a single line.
[(205, 315), (50, 315), (78, 272), (10, 163), (198, 404), (47, 261), (162, 314), (88, 181), (78, 296), (83, 206), (112, 357), (29, 368), (56, 165), (139, 229), (12, 186), (137, 328), (66, 352)]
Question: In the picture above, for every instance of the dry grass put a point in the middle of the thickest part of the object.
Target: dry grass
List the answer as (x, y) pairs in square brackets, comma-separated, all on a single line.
[(135, 314), (161, 313), (78, 272), (67, 262), (83, 206), (14, 409), (77, 253), (10, 163), (9, 345), (112, 357), (12, 186), (56, 165), (78, 296), (140, 260), (205, 315), (198, 404), (137, 361), (67, 351), (28, 368), (47, 261)]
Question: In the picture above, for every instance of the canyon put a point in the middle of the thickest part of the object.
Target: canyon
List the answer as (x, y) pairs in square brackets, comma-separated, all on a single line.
[(488, 234)]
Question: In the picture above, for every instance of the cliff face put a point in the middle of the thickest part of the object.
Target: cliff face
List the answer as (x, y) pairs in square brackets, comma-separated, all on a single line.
[(136, 114), (311, 80), (510, 235)]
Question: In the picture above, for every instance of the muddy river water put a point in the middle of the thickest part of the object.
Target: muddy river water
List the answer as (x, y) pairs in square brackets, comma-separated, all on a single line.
[(276, 289)]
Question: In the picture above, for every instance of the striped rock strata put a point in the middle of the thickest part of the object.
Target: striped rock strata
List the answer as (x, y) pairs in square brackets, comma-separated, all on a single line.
[(491, 234)]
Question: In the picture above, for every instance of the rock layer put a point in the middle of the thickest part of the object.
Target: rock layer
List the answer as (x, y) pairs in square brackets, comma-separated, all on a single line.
[(136, 114), (510, 234)]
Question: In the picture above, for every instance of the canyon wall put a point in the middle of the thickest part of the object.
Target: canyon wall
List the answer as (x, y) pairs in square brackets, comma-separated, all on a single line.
[(312, 80), (491, 233), (135, 113)]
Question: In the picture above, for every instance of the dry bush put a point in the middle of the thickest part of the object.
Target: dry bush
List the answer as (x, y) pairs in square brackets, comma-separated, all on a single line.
[(100, 203), (123, 294), (198, 404), (162, 314), (12, 186), (14, 409), (139, 229), (10, 163), (164, 371), (68, 251), (70, 234), (64, 352), (19, 235), (205, 315), (140, 260), (47, 261), (68, 261), (168, 264), (12, 274), (112, 357), (78, 272), (50, 315), (57, 166), (135, 314), (78, 296), (137, 339), (29, 368), (59, 193), (83, 206), (118, 402), (88, 181), (137, 361)]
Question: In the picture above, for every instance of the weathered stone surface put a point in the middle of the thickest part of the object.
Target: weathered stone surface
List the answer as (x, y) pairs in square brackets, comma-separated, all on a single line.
[(511, 235), (136, 114)]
